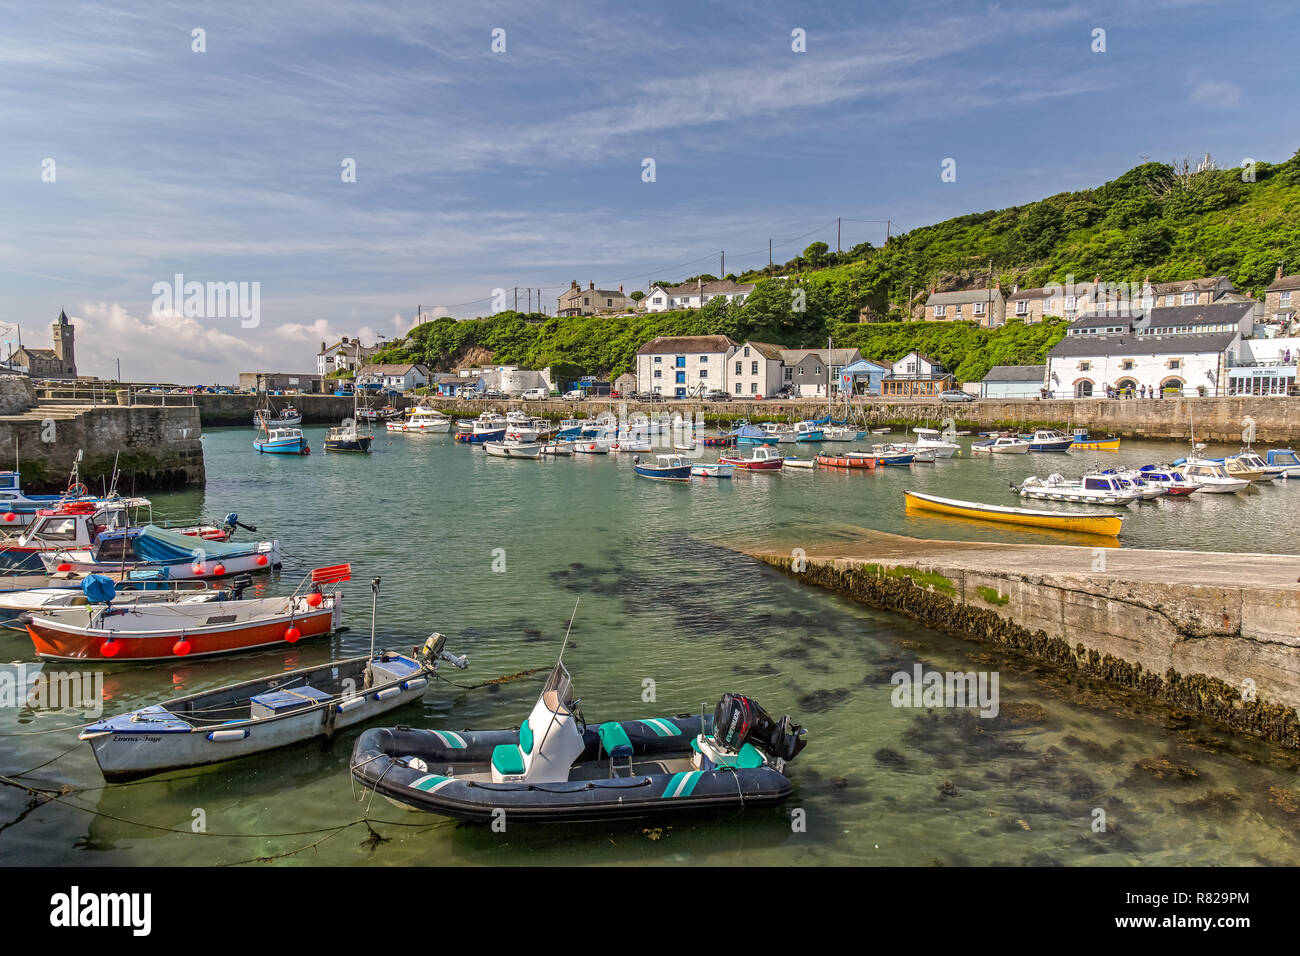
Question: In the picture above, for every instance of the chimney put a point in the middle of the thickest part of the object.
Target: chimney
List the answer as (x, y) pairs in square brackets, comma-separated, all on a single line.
[(931, 290), (620, 288), (322, 346), (998, 285), (573, 284), (1015, 288), (1279, 272), (591, 286)]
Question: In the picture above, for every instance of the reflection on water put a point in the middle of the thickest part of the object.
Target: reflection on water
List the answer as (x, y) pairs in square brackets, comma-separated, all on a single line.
[(662, 601)]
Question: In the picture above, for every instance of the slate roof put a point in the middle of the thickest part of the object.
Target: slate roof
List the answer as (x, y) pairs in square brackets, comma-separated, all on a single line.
[(687, 344), (1129, 344), (1016, 373)]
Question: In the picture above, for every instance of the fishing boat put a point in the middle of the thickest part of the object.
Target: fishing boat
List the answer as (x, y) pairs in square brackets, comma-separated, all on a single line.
[(168, 630), (808, 431), (348, 437), (1175, 484), (513, 449), (839, 433), (1001, 445), (761, 458), (559, 447), (526, 428), (281, 441), (385, 414), (665, 468), (421, 418), (1135, 481), (890, 454), (152, 548), (1100, 524), (591, 446), (263, 714), (851, 459), (1090, 489), (930, 439), (99, 588), (18, 509), (712, 469), (1049, 439), (79, 524), (631, 446), (1284, 459), (880, 431), (1210, 476), (489, 426), (556, 768), (267, 417), (1085, 442)]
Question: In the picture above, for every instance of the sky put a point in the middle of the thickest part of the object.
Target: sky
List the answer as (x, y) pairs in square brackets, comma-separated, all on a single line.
[(133, 150)]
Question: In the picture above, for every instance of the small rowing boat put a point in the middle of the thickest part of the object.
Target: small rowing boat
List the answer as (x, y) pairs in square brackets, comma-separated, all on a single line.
[(714, 469), (511, 448), (852, 459), (1104, 524)]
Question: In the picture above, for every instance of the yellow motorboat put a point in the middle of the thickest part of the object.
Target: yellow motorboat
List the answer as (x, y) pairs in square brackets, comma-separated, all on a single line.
[(1085, 442), (1107, 524), (1248, 466)]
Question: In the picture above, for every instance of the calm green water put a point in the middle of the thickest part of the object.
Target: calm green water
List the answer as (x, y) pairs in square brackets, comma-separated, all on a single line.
[(661, 600)]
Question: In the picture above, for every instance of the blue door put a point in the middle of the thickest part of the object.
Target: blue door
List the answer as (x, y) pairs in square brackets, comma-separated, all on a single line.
[(681, 393)]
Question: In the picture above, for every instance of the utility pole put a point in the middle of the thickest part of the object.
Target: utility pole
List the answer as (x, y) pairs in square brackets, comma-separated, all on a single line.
[(530, 299), (837, 235), (888, 222), (516, 298), (769, 255), (724, 264), (119, 370)]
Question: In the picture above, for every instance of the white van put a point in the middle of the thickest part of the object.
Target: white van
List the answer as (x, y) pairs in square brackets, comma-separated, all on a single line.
[(535, 395)]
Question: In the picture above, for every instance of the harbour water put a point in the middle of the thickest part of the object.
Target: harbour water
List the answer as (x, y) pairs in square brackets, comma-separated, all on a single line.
[(495, 552)]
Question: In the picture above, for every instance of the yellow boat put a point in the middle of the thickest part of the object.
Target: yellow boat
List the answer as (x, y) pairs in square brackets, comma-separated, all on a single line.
[(1100, 444), (1107, 524)]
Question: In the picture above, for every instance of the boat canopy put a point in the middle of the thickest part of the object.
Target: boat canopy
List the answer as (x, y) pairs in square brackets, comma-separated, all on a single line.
[(152, 543), (749, 431)]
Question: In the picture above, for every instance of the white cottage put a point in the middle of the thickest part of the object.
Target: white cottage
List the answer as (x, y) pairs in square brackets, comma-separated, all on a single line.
[(756, 368), (684, 366), (694, 295)]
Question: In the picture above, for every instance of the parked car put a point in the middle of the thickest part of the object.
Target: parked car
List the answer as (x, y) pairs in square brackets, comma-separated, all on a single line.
[(717, 395), (956, 395), (787, 392), (536, 395), (495, 394), (615, 393), (574, 395)]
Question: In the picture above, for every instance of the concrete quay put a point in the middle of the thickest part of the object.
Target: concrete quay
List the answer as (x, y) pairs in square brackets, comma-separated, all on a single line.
[(1217, 635)]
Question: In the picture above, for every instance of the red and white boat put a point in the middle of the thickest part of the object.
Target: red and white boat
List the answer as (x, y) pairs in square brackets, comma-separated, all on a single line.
[(165, 631), (763, 458)]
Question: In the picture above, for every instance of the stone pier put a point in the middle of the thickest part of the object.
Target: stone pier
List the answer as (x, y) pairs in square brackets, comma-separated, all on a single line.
[(1213, 634)]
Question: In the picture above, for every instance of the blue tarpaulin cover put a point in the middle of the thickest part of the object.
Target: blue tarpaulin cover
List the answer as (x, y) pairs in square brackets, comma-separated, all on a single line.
[(98, 588)]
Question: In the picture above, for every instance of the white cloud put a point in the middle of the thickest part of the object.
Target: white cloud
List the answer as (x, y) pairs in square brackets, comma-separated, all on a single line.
[(1219, 94)]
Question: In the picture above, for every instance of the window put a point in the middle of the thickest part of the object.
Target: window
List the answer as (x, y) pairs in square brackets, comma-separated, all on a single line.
[(788, 374), (659, 373), (740, 389), (956, 312), (1147, 301), (1169, 300), (1070, 301), (939, 310), (658, 359), (1049, 306), (658, 300), (609, 301), (1085, 366), (746, 351), (1175, 363), (1189, 298), (704, 373), (753, 388), (681, 361), (739, 366), (681, 378), (817, 370), (703, 359), (1285, 298), (979, 308), (753, 368), (586, 301), (1127, 365), (1022, 307)]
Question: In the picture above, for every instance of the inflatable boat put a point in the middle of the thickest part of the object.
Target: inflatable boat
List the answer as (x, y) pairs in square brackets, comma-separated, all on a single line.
[(555, 768)]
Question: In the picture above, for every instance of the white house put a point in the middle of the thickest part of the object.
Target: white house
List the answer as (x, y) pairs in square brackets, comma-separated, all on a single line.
[(401, 378), (344, 354), (814, 371), (756, 368), (1013, 381), (916, 374), (684, 366), (1184, 363), (1265, 366), (693, 295)]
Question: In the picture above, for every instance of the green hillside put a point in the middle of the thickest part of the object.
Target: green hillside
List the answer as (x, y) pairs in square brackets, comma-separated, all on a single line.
[(1156, 220)]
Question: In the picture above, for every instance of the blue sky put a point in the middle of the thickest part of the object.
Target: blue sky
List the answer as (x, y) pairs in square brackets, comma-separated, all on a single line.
[(477, 170)]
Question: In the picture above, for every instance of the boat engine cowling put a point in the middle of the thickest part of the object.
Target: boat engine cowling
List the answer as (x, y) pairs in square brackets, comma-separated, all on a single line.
[(738, 720)]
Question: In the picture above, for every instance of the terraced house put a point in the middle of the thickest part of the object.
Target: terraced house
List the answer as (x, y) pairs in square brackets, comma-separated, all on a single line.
[(985, 306), (579, 301), (757, 369), (1281, 298)]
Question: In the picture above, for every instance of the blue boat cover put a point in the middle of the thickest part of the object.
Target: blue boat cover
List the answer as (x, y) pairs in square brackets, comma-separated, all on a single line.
[(98, 588), (154, 544), (749, 431)]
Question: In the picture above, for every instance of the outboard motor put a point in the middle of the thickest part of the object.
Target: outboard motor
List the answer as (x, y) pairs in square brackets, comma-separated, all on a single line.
[(738, 719), (239, 585)]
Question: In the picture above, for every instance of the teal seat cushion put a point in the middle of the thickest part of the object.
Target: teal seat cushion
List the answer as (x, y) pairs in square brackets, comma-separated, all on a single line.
[(525, 737), (508, 760), (750, 757), (615, 739)]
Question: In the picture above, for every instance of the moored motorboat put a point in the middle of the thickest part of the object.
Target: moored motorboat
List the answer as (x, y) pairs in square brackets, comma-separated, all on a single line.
[(664, 468), (762, 458), (421, 419), (556, 768), (512, 448), (165, 631), (177, 555), (1090, 489), (281, 441), (263, 714), (1285, 460), (1210, 476), (100, 588), (1085, 442), (752, 435), (792, 462), (1000, 445), (891, 454), (930, 439), (268, 417), (1101, 524), (1175, 484), (1049, 439), (487, 427)]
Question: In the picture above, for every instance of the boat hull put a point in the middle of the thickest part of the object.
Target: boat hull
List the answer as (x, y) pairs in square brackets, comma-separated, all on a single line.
[(1100, 524), (284, 446), (508, 450), (771, 464), (713, 471), (359, 444), (1108, 444), (862, 462), (55, 640), (675, 473)]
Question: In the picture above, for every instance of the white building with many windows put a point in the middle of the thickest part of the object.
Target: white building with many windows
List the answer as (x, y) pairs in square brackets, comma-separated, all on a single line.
[(1187, 363), (684, 366), (693, 295), (756, 368)]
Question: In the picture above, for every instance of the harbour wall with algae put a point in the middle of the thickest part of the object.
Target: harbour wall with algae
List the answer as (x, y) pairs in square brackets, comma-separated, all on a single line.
[(1275, 419), (155, 448), (1214, 635)]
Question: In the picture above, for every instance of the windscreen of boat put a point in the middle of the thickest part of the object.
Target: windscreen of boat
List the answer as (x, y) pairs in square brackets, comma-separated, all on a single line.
[(159, 544)]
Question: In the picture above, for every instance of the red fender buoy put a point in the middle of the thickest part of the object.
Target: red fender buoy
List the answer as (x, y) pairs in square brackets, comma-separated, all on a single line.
[(314, 599), (181, 647), (261, 560), (110, 647), (10, 516), (64, 567), (292, 635), (197, 568), (219, 570)]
